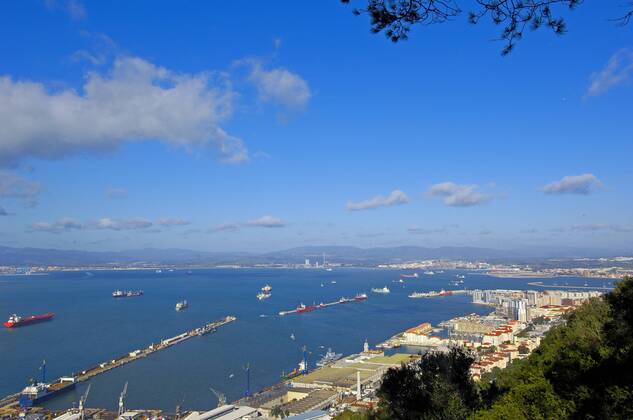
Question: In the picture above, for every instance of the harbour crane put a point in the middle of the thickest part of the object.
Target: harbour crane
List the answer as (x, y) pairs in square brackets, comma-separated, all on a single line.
[(221, 397), (122, 400), (82, 403)]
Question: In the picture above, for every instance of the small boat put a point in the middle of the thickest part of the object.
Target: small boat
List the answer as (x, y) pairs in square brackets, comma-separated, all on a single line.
[(292, 336), (328, 269), (267, 288), (182, 305), (410, 276), (262, 296), (429, 273), (333, 282), (322, 285), (384, 290), (400, 281)]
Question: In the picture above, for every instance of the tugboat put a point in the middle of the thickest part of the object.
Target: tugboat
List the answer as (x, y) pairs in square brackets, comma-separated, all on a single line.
[(18, 321), (182, 305)]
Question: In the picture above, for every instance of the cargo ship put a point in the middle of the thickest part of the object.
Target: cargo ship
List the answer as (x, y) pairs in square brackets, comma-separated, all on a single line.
[(384, 290), (303, 308), (126, 293), (262, 296), (409, 276), (18, 321), (416, 295)]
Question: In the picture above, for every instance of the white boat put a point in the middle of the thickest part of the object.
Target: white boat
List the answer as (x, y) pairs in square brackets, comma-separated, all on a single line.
[(182, 305), (262, 296), (267, 288), (333, 282), (429, 273), (384, 290), (292, 336)]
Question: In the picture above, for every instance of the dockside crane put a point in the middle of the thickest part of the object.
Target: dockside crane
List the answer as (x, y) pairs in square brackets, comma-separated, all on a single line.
[(122, 400), (82, 403), (221, 397)]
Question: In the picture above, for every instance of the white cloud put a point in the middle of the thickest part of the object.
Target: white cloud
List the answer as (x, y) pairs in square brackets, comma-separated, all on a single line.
[(617, 71), (74, 8), (167, 222), (62, 225), (225, 227), (267, 222), (116, 193), (601, 226), (279, 86), (425, 231), (135, 101), (396, 197), (115, 224), (574, 184), (456, 195), (13, 186)]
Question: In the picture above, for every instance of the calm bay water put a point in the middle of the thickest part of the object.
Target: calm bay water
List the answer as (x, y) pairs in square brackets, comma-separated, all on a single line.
[(90, 326)]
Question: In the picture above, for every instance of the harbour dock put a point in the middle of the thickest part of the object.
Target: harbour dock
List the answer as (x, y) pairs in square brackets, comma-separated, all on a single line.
[(11, 401)]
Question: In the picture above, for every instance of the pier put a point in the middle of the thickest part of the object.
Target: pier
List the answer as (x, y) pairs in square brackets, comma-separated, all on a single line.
[(11, 401), (554, 286)]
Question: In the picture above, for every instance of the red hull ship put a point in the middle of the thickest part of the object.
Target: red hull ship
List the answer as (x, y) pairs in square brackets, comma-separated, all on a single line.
[(302, 308), (18, 321)]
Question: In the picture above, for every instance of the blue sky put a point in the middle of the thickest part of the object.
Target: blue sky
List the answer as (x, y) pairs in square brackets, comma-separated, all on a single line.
[(264, 125)]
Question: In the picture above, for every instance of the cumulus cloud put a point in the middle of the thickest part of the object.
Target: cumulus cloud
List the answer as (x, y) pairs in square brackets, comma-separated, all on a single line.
[(279, 86), (168, 222), (266, 221), (134, 101), (459, 195), (574, 184), (617, 71), (15, 187), (396, 197), (116, 193)]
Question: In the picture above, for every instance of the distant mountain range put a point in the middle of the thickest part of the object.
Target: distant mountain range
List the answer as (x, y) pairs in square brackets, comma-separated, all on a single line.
[(334, 254)]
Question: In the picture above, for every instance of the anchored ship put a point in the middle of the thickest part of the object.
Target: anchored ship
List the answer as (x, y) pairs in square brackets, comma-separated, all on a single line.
[(182, 305), (409, 276), (384, 290), (262, 296), (18, 321), (126, 293)]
